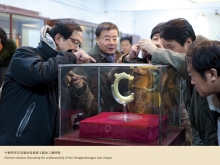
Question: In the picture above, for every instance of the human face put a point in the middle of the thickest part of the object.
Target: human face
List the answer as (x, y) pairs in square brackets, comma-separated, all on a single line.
[(108, 41), (1, 46), (202, 86), (71, 43), (175, 46), (156, 39), (125, 46)]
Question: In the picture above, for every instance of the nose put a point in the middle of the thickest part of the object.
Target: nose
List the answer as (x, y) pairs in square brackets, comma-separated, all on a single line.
[(159, 41), (76, 49), (192, 81), (111, 41)]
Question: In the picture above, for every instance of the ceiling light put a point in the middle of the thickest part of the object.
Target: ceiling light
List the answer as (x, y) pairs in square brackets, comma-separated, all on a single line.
[(200, 1)]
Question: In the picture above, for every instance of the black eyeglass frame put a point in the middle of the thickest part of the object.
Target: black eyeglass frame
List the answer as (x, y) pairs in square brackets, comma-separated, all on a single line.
[(76, 44)]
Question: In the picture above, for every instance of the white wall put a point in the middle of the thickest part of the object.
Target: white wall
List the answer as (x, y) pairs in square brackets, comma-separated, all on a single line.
[(209, 26), (131, 22), (86, 10)]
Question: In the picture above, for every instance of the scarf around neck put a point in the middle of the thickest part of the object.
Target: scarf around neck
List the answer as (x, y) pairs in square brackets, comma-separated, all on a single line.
[(109, 58), (46, 38)]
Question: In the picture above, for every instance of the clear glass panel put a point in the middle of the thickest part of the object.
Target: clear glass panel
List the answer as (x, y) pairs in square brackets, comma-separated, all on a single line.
[(5, 23), (26, 30), (86, 91)]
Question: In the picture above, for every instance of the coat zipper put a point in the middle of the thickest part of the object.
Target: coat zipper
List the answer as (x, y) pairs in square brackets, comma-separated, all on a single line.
[(24, 121)]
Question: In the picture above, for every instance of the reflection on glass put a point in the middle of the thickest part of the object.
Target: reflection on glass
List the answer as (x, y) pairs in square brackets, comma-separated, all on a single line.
[(156, 91)]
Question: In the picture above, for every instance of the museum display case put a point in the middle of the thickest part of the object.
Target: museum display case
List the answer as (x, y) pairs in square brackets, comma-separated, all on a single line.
[(119, 104)]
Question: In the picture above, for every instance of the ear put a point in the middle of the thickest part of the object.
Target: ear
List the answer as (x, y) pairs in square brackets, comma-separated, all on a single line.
[(213, 74), (97, 40), (188, 42), (57, 38)]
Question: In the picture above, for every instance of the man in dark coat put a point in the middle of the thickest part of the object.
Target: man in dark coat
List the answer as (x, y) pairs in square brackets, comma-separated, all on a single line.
[(29, 99)]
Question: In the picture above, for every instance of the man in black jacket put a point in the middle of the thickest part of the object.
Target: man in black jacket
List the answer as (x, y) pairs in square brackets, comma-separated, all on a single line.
[(29, 99)]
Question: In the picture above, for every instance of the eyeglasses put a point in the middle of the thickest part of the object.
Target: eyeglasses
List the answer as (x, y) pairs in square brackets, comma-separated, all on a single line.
[(108, 39), (76, 42)]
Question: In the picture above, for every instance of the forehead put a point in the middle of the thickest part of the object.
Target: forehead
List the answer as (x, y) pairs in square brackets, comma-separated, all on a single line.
[(190, 68), (125, 42), (169, 42), (110, 33), (156, 35), (77, 35)]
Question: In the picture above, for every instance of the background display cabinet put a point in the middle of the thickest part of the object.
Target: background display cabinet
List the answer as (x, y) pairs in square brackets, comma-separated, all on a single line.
[(119, 104)]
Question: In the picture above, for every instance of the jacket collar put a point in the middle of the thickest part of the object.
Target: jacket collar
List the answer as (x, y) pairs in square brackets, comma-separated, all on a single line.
[(117, 53), (46, 51)]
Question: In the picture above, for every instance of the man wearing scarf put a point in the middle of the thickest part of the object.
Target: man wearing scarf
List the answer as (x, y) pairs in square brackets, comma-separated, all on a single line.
[(105, 51), (29, 97)]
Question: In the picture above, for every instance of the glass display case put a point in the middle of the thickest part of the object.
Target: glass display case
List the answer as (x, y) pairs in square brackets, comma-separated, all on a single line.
[(140, 100)]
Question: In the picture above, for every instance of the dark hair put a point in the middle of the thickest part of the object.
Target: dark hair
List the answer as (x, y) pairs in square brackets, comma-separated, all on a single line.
[(65, 28), (126, 38), (204, 55), (156, 29), (3, 36), (105, 26), (177, 29)]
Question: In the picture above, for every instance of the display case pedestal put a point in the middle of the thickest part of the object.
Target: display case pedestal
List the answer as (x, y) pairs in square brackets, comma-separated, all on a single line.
[(174, 137)]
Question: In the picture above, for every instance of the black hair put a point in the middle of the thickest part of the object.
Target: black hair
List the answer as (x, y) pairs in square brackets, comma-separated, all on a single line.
[(126, 38), (3, 36), (65, 28), (178, 29), (156, 29), (105, 26), (204, 55)]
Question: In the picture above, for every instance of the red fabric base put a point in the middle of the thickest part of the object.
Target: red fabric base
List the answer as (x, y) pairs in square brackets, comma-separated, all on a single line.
[(142, 130)]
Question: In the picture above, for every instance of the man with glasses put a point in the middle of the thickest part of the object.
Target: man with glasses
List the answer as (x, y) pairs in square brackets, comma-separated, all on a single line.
[(29, 98), (105, 50), (76, 43)]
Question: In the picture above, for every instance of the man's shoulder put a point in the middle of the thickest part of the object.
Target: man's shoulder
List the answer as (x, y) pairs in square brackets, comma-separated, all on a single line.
[(27, 49), (94, 51), (11, 44)]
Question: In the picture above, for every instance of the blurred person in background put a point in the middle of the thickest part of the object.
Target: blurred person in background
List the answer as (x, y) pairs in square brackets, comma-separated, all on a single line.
[(7, 49), (125, 44)]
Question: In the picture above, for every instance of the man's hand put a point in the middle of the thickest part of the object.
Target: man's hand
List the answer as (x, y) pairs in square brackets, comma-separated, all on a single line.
[(147, 45), (82, 57), (133, 53)]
